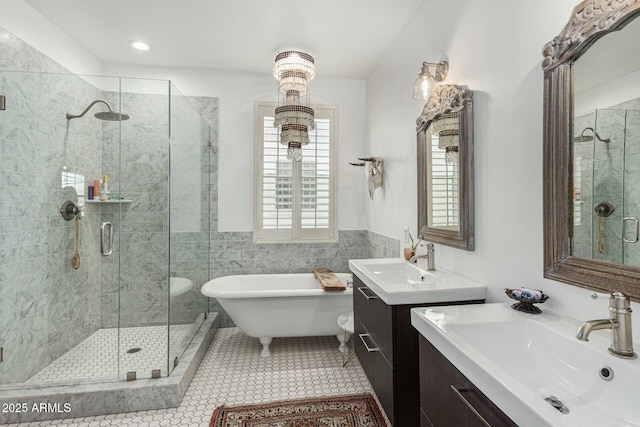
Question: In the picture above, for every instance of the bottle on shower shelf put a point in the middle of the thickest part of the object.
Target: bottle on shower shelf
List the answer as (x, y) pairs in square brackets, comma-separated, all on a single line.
[(104, 189), (96, 189)]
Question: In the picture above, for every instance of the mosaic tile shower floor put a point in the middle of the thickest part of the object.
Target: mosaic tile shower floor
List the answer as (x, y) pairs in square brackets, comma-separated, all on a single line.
[(232, 372), (96, 356)]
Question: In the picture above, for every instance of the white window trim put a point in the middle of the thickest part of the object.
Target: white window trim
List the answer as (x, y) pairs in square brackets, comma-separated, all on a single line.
[(296, 234)]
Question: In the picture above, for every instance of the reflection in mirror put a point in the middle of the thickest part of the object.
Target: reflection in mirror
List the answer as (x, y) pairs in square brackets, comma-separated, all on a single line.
[(606, 150), (592, 148), (443, 189), (445, 168)]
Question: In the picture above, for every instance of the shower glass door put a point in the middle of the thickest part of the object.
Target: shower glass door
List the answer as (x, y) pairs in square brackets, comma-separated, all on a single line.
[(141, 151), (107, 319), (58, 320), (631, 194), (189, 223)]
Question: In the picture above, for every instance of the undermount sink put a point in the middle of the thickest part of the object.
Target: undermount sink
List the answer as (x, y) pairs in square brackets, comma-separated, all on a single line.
[(399, 282), (518, 360)]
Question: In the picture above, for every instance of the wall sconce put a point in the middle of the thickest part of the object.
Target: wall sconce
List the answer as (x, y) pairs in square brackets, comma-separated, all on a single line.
[(425, 79)]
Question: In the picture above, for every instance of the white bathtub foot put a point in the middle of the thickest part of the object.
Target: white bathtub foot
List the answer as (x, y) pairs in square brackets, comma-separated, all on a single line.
[(265, 346), (343, 341)]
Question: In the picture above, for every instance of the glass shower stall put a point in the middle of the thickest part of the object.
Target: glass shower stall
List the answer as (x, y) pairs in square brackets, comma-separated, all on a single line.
[(606, 196), (106, 288)]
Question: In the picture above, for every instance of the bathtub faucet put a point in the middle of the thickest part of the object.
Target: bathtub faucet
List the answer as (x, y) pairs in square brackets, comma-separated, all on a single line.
[(430, 256), (349, 282)]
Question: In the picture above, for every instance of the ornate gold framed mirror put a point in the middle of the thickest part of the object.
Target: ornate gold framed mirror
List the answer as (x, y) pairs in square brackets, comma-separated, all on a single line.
[(592, 149), (445, 168)]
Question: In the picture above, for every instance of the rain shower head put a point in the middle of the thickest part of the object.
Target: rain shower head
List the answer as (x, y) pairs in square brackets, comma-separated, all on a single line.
[(110, 115), (587, 138)]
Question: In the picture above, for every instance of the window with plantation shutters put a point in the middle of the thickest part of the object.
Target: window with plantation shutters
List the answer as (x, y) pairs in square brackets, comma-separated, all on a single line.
[(295, 201), (444, 195)]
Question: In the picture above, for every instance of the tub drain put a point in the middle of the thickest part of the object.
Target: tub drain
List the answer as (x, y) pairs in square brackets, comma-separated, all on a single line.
[(134, 350)]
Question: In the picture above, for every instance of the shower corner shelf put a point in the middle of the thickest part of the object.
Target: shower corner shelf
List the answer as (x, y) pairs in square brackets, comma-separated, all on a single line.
[(109, 202)]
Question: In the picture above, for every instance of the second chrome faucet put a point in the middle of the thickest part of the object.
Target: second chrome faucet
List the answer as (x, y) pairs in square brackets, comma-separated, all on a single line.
[(619, 322), (430, 256)]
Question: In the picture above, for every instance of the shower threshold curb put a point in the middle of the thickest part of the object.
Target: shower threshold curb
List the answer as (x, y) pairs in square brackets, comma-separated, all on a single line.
[(111, 397)]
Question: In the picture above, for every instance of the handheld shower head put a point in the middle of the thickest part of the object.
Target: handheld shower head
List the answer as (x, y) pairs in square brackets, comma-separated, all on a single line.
[(110, 115)]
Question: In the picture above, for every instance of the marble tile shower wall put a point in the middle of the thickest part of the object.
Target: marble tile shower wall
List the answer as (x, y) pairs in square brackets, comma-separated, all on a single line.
[(610, 173), (42, 311), (135, 155)]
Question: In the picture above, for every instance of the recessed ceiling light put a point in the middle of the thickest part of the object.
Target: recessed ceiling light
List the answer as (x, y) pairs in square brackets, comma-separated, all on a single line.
[(139, 45)]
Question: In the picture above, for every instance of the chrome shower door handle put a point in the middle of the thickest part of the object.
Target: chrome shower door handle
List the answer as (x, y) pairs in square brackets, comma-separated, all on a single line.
[(106, 249), (624, 222)]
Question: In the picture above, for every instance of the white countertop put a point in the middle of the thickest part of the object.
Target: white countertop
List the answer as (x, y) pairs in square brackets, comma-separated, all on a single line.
[(518, 359), (435, 286)]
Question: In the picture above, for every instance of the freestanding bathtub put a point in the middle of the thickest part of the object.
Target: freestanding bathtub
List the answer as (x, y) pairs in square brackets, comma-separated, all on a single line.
[(266, 306)]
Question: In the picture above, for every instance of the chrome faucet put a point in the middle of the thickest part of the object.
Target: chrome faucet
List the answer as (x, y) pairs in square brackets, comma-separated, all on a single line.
[(430, 256), (619, 322)]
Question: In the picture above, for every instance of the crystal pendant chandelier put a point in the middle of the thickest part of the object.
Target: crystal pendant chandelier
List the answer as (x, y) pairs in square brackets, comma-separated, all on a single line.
[(446, 129), (294, 69)]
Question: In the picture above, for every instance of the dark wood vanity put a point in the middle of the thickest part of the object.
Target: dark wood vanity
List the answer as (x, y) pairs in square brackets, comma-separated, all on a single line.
[(387, 346), (448, 398)]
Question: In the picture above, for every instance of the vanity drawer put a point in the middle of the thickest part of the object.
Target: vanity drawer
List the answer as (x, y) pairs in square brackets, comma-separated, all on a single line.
[(448, 398), (376, 317), (381, 375)]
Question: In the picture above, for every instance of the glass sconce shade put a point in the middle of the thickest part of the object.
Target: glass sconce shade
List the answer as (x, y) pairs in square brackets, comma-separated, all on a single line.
[(424, 83), (421, 86)]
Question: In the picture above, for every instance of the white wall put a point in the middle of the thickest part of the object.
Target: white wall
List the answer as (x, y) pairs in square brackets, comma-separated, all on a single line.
[(609, 94), (28, 24), (237, 92), (496, 52)]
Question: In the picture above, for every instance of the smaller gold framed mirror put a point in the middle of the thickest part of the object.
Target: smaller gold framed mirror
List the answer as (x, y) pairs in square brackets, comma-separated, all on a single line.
[(445, 168)]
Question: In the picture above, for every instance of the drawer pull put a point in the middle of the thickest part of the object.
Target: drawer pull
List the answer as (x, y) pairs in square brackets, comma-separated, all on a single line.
[(374, 296), (369, 349), (458, 390)]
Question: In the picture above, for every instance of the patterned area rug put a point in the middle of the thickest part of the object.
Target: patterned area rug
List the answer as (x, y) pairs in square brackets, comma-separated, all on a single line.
[(359, 410)]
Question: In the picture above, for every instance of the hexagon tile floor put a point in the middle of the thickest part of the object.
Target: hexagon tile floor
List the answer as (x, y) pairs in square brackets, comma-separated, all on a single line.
[(232, 372)]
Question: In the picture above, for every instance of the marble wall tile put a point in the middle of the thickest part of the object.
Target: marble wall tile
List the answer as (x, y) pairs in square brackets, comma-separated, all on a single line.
[(616, 167), (37, 144), (236, 254)]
